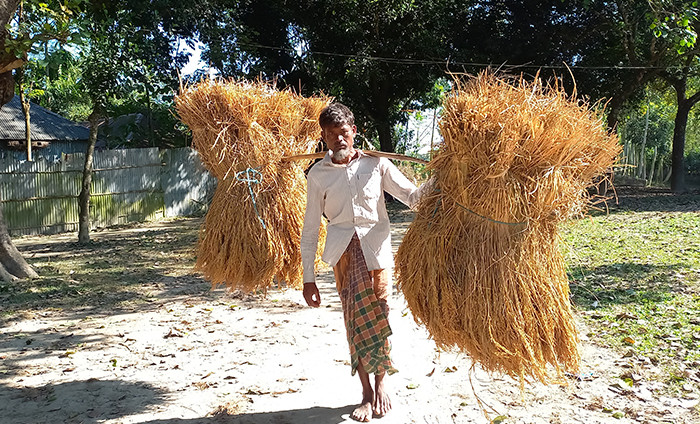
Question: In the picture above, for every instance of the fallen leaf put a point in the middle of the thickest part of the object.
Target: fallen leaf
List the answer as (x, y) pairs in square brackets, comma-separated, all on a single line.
[(172, 333), (256, 392), (412, 386)]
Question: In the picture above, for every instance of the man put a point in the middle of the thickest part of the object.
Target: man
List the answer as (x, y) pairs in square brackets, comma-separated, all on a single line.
[(348, 187)]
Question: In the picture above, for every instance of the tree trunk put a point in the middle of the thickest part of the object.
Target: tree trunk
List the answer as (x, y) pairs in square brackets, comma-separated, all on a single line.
[(7, 87), (386, 144), (643, 164), (12, 264), (650, 178), (27, 120), (7, 83), (84, 197), (614, 112), (683, 105), (379, 111), (149, 106), (7, 10), (678, 149)]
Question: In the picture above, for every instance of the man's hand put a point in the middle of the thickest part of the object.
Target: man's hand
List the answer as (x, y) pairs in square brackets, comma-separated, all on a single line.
[(311, 295)]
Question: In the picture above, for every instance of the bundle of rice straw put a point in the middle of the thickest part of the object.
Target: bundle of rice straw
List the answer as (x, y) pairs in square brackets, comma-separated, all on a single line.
[(480, 266), (251, 233)]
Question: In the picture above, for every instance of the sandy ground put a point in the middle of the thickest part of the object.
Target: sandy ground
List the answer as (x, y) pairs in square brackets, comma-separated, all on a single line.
[(198, 356)]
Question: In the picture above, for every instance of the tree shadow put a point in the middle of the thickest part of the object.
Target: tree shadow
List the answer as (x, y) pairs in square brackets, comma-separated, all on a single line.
[(624, 283), (88, 401), (135, 267), (315, 415), (648, 199), (130, 268), (41, 343)]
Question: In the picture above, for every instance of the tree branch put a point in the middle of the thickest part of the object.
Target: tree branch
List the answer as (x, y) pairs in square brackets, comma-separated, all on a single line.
[(694, 98)]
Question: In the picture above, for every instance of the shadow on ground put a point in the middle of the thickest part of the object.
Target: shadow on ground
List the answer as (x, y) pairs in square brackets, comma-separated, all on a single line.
[(315, 415), (649, 199), (624, 283), (98, 400)]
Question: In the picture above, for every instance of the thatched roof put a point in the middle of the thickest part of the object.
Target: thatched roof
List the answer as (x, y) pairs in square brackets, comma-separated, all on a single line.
[(46, 125)]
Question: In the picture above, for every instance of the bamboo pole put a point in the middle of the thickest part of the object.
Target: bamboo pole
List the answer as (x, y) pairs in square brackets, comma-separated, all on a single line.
[(375, 153)]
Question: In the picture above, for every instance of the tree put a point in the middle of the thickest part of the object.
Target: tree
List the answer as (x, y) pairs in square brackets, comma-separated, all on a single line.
[(128, 51), (679, 23), (381, 58), (13, 54), (659, 41), (8, 60), (684, 103), (625, 54), (646, 130), (20, 78), (12, 264)]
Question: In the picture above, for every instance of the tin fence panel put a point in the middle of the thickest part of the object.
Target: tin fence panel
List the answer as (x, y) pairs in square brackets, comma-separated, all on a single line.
[(128, 185)]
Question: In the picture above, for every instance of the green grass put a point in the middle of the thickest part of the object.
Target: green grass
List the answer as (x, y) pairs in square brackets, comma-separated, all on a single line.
[(635, 278)]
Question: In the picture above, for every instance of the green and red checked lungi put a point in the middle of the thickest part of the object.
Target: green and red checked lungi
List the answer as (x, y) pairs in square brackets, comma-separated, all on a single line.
[(364, 296)]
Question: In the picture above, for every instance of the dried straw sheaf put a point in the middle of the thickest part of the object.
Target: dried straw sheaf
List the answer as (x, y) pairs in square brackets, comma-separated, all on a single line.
[(241, 130), (480, 266)]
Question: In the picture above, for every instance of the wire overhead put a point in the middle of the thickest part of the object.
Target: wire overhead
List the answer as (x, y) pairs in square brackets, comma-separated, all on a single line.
[(448, 62)]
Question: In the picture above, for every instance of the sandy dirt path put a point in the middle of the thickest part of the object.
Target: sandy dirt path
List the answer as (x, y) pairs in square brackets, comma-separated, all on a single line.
[(193, 355)]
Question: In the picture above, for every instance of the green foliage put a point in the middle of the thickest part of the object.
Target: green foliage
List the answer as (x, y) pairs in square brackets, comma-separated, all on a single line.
[(692, 160), (676, 22), (63, 93), (661, 112), (41, 22), (122, 62), (369, 55)]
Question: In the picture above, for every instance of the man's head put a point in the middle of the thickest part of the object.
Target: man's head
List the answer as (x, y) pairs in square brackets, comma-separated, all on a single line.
[(338, 131)]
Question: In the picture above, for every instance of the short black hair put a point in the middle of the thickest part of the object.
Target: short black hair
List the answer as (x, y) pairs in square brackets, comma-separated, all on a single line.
[(336, 114)]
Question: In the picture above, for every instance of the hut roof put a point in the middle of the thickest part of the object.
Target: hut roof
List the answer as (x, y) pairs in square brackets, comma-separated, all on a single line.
[(46, 125)]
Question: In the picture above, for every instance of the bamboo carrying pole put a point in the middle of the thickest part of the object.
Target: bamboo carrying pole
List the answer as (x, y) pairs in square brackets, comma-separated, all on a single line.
[(375, 153)]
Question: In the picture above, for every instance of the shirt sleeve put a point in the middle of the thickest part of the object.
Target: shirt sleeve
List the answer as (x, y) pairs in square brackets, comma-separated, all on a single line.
[(396, 184), (312, 222)]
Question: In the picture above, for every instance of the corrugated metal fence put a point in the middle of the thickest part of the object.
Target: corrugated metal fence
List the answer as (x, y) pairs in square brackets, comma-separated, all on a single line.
[(128, 185)]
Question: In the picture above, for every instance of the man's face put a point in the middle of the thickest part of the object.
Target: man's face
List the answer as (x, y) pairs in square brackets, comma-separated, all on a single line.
[(339, 139)]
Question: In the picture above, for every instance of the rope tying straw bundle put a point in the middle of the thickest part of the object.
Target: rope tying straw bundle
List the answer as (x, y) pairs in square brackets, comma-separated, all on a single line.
[(255, 179), (495, 221)]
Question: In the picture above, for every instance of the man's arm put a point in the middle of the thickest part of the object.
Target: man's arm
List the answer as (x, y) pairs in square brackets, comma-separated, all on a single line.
[(309, 240), (396, 184)]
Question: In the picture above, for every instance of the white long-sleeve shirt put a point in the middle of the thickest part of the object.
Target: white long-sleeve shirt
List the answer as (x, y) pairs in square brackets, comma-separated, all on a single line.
[(352, 198)]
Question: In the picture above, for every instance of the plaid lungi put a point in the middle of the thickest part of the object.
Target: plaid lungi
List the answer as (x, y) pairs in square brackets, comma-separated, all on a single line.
[(364, 296)]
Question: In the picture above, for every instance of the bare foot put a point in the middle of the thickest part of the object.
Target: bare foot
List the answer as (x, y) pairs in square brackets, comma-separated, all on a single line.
[(363, 413), (382, 403)]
